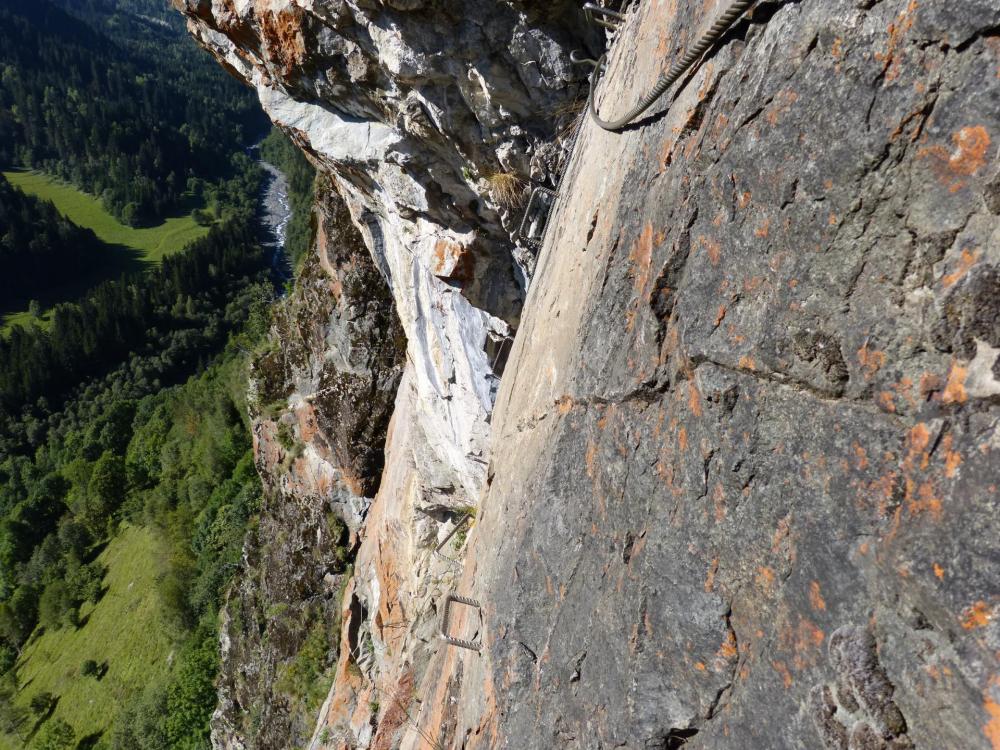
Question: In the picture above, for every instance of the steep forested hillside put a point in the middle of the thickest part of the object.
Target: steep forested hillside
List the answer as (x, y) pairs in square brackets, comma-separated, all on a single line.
[(127, 483), (115, 104)]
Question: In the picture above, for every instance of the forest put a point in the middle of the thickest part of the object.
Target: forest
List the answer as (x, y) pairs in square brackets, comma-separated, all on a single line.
[(124, 439), (135, 118)]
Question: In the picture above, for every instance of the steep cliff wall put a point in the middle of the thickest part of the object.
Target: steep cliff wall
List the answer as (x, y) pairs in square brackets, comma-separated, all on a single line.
[(739, 488)]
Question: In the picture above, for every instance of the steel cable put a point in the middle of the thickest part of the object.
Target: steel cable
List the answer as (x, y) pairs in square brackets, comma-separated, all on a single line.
[(719, 28)]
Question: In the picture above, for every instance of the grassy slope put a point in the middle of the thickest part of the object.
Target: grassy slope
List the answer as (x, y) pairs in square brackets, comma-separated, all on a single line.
[(125, 629), (86, 211), (130, 248)]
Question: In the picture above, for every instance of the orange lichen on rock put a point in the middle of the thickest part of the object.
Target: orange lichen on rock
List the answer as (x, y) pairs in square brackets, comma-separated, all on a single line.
[(991, 729), (965, 263), (969, 155), (816, 600), (713, 569), (897, 30), (782, 103), (871, 361), (977, 615), (952, 458), (694, 399), (765, 579), (782, 669), (954, 390)]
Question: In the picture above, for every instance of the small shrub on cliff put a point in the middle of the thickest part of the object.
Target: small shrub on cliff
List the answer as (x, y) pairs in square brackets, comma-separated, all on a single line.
[(506, 189)]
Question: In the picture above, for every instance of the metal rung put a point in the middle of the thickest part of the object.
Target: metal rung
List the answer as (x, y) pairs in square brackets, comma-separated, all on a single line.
[(437, 550), (536, 217), (611, 19), (453, 597)]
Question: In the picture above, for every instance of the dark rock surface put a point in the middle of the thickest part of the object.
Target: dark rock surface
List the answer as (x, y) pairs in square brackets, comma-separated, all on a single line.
[(744, 490)]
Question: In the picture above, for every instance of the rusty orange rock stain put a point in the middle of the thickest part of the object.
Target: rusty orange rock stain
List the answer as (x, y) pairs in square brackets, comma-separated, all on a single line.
[(763, 230), (590, 459), (682, 439), (977, 615), (713, 569), (747, 363), (700, 666), (712, 248), (744, 199), (954, 390), (781, 669), (765, 578), (816, 600), (720, 315), (939, 572), (642, 256), (694, 399)]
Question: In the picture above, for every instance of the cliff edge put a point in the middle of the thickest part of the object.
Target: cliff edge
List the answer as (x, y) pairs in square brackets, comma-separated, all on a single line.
[(737, 485)]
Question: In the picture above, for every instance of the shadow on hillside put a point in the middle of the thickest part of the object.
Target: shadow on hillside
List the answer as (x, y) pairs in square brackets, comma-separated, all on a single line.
[(119, 260), (94, 552), (44, 717), (89, 742)]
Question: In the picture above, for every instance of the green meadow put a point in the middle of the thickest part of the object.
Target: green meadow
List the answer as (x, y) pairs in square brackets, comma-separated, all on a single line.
[(129, 248), (124, 632)]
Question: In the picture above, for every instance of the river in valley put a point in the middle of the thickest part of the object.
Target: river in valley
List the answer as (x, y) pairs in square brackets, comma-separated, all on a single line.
[(275, 213)]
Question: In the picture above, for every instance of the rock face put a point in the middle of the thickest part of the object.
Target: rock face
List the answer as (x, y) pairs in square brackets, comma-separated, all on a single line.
[(321, 400), (743, 462)]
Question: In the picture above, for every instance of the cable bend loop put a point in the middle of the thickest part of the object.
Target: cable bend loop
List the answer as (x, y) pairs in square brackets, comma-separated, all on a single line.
[(719, 28)]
